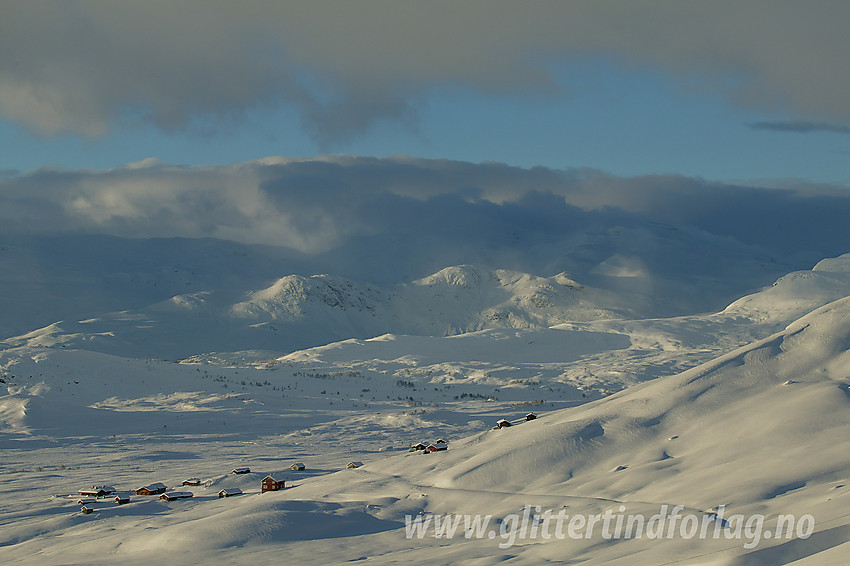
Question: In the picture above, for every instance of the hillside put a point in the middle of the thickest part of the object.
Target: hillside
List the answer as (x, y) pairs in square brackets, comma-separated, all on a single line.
[(760, 430)]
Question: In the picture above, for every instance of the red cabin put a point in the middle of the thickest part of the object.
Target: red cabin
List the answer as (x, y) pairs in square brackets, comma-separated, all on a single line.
[(271, 484)]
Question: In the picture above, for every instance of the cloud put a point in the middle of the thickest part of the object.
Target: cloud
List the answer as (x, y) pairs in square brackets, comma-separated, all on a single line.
[(800, 127), (320, 205), (86, 66)]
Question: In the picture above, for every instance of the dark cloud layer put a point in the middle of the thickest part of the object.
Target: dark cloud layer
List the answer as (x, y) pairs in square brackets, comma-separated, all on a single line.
[(319, 205), (83, 66)]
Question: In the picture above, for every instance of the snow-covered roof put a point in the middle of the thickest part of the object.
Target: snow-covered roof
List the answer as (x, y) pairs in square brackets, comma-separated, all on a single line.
[(97, 490), (169, 495)]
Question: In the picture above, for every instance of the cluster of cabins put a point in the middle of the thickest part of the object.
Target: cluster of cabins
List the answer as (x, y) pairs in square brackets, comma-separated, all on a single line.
[(96, 492), (91, 495), (437, 446), (503, 423), (268, 483), (101, 492), (441, 444)]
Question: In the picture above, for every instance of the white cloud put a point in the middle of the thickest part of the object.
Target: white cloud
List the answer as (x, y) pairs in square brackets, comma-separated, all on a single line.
[(81, 66)]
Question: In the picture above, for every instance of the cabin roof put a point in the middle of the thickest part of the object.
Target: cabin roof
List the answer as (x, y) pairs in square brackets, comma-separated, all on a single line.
[(169, 495)]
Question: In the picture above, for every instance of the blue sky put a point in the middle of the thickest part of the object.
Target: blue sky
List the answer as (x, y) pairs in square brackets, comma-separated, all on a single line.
[(706, 89)]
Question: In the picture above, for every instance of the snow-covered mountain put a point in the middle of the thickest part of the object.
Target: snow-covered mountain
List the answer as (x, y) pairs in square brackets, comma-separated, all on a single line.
[(756, 430), (641, 271), (296, 312), (452, 301)]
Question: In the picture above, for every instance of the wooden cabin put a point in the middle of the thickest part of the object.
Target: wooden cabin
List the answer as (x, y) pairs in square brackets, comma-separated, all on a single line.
[(230, 492), (271, 484), (174, 495), (97, 491), (152, 489), (298, 467)]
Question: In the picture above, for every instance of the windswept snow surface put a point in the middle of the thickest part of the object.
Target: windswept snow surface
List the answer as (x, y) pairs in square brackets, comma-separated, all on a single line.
[(741, 412)]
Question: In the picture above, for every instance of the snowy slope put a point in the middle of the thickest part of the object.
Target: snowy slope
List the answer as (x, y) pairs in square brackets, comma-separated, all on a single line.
[(299, 312), (760, 430), (797, 293)]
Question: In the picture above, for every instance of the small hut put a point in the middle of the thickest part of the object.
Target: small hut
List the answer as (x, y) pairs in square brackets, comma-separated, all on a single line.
[(241, 470), (174, 495), (271, 484), (122, 499), (192, 481), (153, 489), (530, 417), (503, 423), (97, 491), (230, 492), (355, 464), (298, 467), (438, 446)]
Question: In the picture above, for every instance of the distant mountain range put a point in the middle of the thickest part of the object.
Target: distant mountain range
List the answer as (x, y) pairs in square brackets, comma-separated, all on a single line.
[(297, 312)]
